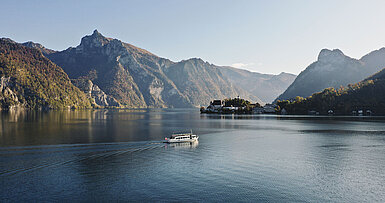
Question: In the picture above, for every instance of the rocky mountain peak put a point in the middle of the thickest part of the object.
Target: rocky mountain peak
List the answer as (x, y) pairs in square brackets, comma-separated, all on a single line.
[(94, 40), (96, 32), (330, 55)]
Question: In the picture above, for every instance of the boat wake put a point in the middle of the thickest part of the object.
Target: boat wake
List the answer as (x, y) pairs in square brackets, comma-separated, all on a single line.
[(65, 153)]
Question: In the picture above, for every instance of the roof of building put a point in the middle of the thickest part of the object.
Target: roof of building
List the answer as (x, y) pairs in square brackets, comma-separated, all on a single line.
[(217, 102)]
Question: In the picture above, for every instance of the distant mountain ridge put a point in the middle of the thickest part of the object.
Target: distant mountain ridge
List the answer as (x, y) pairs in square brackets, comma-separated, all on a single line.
[(266, 86), (138, 78), (334, 69), (202, 82)]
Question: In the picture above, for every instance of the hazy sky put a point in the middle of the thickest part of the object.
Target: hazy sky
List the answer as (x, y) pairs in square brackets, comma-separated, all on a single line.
[(263, 36)]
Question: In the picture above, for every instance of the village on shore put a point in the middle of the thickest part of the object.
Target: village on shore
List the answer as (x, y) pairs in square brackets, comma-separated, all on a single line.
[(242, 106), (238, 106)]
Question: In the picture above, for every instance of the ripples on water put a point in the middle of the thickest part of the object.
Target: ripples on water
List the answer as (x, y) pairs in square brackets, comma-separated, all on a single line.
[(118, 155)]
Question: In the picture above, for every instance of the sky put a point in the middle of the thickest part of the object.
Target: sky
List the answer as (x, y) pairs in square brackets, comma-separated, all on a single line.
[(261, 36)]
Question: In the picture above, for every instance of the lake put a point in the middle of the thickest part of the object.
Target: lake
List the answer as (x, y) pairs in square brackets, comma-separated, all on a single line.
[(118, 155)]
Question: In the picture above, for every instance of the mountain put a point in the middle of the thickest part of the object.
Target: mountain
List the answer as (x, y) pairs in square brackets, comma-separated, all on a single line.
[(374, 61), (367, 95), (201, 82), (138, 78), (334, 69), (28, 79), (123, 71), (266, 86)]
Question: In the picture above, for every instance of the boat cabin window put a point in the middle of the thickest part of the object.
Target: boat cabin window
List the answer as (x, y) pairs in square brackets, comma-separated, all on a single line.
[(182, 136)]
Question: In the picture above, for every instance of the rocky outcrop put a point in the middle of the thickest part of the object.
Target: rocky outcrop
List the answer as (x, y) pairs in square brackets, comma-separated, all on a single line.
[(8, 98), (98, 97)]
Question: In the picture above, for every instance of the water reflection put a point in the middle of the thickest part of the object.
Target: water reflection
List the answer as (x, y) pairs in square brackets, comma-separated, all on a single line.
[(104, 155), (20, 127), (183, 145)]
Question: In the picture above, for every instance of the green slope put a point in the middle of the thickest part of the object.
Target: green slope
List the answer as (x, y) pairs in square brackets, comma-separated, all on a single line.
[(29, 79)]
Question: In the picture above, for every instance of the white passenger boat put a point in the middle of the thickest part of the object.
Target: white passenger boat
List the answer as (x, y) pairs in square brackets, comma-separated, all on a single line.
[(181, 137)]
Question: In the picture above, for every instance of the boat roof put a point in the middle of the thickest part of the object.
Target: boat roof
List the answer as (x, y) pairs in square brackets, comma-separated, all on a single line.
[(181, 134)]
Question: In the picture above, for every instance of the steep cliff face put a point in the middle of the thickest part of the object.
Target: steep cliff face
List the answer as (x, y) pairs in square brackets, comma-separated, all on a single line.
[(28, 79), (8, 97), (97, 96)]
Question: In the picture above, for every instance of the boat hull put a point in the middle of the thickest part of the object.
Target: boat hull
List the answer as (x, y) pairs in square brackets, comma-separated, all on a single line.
[(181, 140)]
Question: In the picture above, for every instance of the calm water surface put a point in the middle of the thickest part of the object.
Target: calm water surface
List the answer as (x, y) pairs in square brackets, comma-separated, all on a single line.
[(118, 155)]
